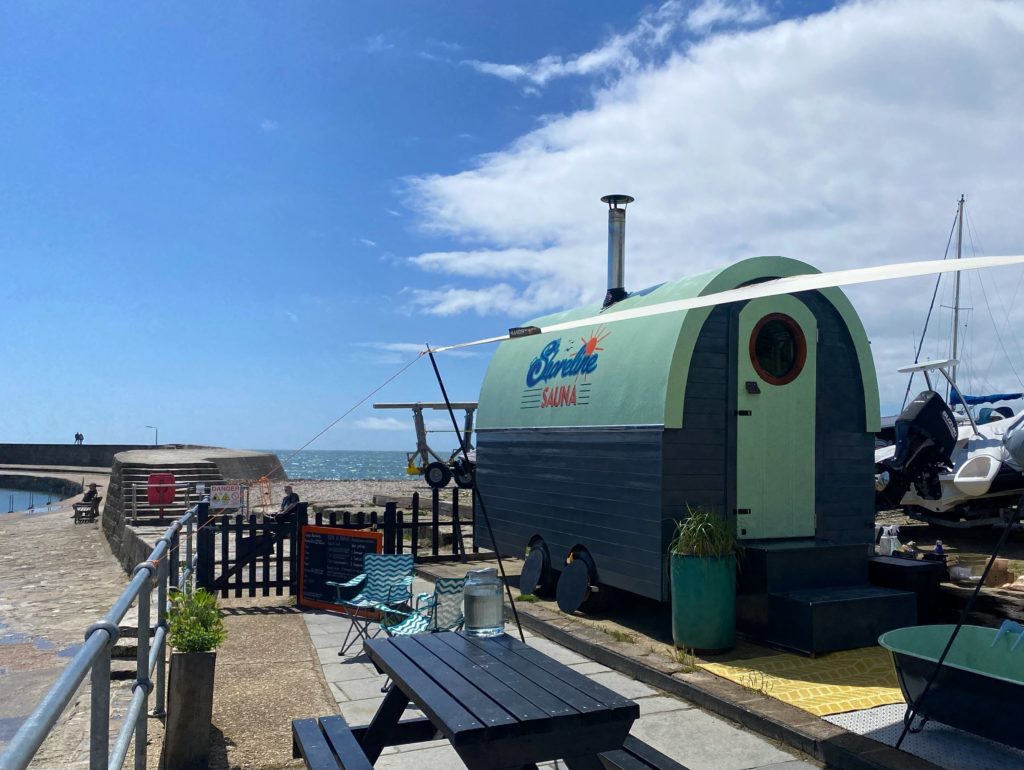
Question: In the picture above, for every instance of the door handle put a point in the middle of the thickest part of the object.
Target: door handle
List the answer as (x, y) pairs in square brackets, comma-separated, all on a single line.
[(743, 413), (742, 511)]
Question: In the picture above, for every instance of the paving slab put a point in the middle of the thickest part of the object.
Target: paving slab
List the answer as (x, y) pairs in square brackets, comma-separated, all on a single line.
[(700, 740)]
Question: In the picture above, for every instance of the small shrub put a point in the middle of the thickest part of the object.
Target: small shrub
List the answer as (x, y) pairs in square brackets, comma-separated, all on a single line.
[(620, 636), (195, 622), (703, 533), (686, 658), (529, 598)]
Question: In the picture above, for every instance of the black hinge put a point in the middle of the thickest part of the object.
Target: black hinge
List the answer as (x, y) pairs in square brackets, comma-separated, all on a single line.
[(743, 413), (742, 511)]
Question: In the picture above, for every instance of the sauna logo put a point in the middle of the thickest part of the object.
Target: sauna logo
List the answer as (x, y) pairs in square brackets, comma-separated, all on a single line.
[(556, 379)]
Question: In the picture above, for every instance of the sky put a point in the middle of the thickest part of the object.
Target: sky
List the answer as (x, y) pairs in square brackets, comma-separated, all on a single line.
[(235, 221)]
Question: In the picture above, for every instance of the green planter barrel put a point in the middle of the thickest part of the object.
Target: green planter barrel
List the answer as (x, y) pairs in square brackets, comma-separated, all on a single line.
[(703, 602)]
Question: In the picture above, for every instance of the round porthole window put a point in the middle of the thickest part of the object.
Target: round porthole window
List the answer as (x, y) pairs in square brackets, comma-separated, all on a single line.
[(778, 349)]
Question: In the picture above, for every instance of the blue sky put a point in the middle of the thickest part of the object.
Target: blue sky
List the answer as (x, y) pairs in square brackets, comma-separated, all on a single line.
[(235, 220)]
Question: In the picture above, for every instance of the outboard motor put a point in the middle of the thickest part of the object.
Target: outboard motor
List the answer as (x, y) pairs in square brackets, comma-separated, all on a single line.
[(926, 433)]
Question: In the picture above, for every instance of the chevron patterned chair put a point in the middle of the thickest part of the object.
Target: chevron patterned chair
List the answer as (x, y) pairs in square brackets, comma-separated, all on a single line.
[(440, 611), (384, 586)]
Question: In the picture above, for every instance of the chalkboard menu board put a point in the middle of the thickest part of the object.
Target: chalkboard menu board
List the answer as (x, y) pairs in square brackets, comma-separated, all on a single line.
[(329, 553)]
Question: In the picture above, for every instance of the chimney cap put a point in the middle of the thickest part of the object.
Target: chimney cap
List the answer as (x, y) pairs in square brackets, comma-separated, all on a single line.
[(613, 201)]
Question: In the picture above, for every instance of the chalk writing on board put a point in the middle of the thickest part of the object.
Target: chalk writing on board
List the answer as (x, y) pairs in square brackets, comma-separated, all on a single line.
[(331, 554)]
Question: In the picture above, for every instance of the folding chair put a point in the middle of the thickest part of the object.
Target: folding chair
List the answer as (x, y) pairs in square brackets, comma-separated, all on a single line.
[(441, 611), (385, 584)]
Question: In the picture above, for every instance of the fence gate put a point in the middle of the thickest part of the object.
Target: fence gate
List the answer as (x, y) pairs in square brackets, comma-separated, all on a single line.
[(240, 556)]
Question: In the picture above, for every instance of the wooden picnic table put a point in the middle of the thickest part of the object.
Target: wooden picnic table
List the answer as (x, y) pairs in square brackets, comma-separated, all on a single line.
[(499, 702)]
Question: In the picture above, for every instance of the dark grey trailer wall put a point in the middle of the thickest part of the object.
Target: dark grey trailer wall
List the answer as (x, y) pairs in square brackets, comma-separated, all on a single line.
[(699, 459), (600, 488), (844, 450)]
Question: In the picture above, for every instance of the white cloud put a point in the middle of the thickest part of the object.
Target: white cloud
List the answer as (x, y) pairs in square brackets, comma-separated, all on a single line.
[(378, 44), (399, 352), (367, 242), (629, 51), (714, 13), (841, 139), (383, 423), (269, 125)]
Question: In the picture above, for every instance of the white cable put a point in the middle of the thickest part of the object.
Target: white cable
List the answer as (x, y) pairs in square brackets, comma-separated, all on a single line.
[(788, 285)]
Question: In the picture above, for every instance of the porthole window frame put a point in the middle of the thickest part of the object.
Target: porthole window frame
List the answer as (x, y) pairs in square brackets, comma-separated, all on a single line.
[(801, 349)]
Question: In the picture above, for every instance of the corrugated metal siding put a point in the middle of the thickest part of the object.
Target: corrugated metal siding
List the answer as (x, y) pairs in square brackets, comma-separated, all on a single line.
[(599, 488)]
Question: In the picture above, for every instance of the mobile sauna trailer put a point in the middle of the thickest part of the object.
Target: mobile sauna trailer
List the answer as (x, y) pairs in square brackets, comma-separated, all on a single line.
[(592, 443)]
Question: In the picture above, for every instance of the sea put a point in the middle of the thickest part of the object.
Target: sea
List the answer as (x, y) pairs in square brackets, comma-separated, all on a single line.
[(328, 464), (19, 500)]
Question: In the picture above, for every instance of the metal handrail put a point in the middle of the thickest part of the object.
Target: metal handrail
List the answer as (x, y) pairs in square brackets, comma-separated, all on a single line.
[(94, 658)]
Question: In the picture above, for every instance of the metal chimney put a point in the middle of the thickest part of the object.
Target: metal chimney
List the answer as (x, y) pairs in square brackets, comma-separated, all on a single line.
[(616, 247)]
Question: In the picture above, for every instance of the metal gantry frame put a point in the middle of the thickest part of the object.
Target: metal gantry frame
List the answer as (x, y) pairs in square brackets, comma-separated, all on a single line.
[(423, 452), (94, 659)]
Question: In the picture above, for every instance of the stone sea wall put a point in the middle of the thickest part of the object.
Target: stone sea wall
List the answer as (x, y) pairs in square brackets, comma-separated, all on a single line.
[(63, 455)]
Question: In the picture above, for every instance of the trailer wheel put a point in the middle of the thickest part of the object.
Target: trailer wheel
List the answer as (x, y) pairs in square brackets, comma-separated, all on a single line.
[(577, 582), (536, 575), (465, 475), (437, 475)]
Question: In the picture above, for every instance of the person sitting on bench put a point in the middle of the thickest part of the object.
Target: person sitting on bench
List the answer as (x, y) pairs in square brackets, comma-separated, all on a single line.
[(288, 504), (88, 509)]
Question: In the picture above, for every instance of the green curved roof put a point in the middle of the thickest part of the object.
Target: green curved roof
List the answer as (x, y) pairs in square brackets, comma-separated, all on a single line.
[(636, 372)]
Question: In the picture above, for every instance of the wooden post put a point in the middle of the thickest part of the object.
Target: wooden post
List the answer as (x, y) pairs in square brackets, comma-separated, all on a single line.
[(435, 508), (204, 544), (415, 524), (390, 513), (458, 549), (300, 519)]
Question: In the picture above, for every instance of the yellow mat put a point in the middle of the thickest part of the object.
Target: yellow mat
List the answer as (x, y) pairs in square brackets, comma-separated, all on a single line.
[(830, 684)]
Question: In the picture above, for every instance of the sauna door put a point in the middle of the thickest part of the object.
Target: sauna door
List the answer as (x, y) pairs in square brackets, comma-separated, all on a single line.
[(775, 419)]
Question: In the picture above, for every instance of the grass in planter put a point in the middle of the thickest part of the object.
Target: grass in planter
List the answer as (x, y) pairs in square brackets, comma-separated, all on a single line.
[(195, 624), (703, 533)]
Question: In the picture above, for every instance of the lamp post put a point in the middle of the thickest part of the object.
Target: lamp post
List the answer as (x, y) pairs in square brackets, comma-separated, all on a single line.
[(156, 435)]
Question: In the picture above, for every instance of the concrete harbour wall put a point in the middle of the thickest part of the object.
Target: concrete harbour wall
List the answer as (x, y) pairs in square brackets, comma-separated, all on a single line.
[(64, 455)]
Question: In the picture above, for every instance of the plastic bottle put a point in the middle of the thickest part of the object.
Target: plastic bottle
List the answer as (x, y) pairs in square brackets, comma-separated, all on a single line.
[(485, 615)]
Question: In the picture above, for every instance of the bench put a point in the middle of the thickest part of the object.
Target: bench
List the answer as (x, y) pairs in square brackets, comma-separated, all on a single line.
[(87, 512), (637, 755), (330, 744)]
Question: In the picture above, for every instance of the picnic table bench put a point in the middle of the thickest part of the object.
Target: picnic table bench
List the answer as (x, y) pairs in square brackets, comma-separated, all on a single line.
[(499, 703)]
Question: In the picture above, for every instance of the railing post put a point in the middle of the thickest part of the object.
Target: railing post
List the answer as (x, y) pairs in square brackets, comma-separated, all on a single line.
[(142, 663), (99, 699), (390, 514), (174, 562), (189, 570), (163, 572), (204, 567)]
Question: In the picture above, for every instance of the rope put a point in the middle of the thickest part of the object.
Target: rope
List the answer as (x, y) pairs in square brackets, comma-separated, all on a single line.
[(280, 463), (479, 497)]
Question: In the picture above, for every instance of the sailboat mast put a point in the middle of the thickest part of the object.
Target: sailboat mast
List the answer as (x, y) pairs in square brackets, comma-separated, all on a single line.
[(956, 288)]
